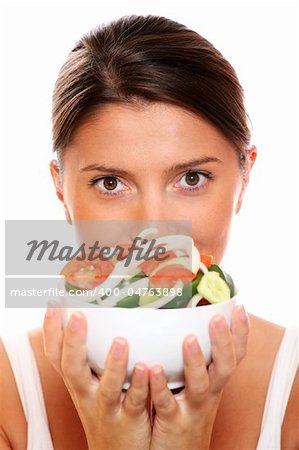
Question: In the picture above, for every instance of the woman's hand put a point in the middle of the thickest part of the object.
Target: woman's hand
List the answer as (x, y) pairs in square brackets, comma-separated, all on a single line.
[(111, 420), (185, 421)]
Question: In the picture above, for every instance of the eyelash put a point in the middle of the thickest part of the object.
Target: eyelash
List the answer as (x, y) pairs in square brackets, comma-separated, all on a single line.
[(107, 193), (207, 175)]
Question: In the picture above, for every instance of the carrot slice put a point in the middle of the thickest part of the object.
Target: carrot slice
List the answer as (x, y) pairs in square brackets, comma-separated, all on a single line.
[(206, 260)]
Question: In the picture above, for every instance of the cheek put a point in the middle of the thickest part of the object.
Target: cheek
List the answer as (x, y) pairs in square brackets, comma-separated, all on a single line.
[(211, 225), (76, 200), (83, 204)]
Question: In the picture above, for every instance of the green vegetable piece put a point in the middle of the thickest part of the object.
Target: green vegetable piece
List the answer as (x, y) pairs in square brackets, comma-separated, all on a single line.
[(230, 283), (215, 268), (213, 288), (137, 276), (132, 301), (181, 301), (131, 279)]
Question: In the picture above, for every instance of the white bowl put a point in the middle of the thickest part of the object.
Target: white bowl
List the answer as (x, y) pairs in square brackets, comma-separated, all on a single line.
[(155, 336)]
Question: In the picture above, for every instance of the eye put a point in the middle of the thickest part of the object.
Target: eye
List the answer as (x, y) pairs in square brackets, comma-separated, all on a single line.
[(193, 181), (108, 185)]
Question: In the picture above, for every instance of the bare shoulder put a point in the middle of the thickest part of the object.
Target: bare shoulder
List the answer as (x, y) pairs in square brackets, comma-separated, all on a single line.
[(11, 410), (264, 340), (266, 336), (290, 431), (262, 330), (64, 423), (238, 423)]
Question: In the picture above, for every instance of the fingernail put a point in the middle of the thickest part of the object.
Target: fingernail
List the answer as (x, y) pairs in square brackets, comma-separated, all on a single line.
[(118, 347), (242, 313), (139, 370), (75, 322), (157, 371), (192, 344), (220, 324)]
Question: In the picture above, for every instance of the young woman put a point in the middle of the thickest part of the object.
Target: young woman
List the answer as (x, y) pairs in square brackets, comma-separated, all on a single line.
[(149, 123)]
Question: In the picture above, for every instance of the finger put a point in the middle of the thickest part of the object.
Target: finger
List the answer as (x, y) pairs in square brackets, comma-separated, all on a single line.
[(74, 365), (240, 330), (223, 354), (114, 375), (165, 404), (53, 335), (195, 371), (135, 401)]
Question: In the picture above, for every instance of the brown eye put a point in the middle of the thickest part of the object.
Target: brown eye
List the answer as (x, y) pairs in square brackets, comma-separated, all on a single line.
[(110, 183), (192, 181), (192, 178)]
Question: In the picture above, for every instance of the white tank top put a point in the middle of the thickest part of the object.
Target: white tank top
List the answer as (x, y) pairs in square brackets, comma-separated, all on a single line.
[(27, 378)]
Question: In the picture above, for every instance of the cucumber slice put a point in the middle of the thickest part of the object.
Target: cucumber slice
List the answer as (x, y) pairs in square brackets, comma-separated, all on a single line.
[(213, 288), (225, 276), (146, 298)]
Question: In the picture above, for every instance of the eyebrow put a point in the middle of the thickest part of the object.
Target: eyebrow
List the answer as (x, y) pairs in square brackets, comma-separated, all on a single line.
[(175, 167)]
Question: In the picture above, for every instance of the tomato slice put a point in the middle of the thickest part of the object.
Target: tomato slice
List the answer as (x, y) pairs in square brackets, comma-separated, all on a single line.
[(203, 302), (87, 274), (167, 276), (150, 265), (170, 275)]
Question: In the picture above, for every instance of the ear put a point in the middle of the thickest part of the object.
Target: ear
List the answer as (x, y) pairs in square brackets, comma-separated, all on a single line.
[(57, 179), (251, 155)]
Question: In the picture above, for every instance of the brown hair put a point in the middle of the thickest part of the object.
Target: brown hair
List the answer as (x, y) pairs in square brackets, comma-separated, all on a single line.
[(139, 59)]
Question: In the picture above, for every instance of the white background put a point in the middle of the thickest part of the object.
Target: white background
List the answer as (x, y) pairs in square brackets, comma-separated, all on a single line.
[(259, 38)]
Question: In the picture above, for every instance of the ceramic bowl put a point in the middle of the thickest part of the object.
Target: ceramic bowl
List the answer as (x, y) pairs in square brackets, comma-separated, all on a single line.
[(155, 336)]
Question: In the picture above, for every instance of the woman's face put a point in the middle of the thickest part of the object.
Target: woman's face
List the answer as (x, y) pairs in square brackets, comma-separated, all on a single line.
[(155, 162)]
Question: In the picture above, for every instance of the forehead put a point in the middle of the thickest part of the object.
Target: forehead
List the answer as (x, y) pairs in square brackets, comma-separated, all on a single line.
[(156, 130)]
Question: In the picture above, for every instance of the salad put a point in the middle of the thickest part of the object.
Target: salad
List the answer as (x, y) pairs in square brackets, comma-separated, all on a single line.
[(181, 280)]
